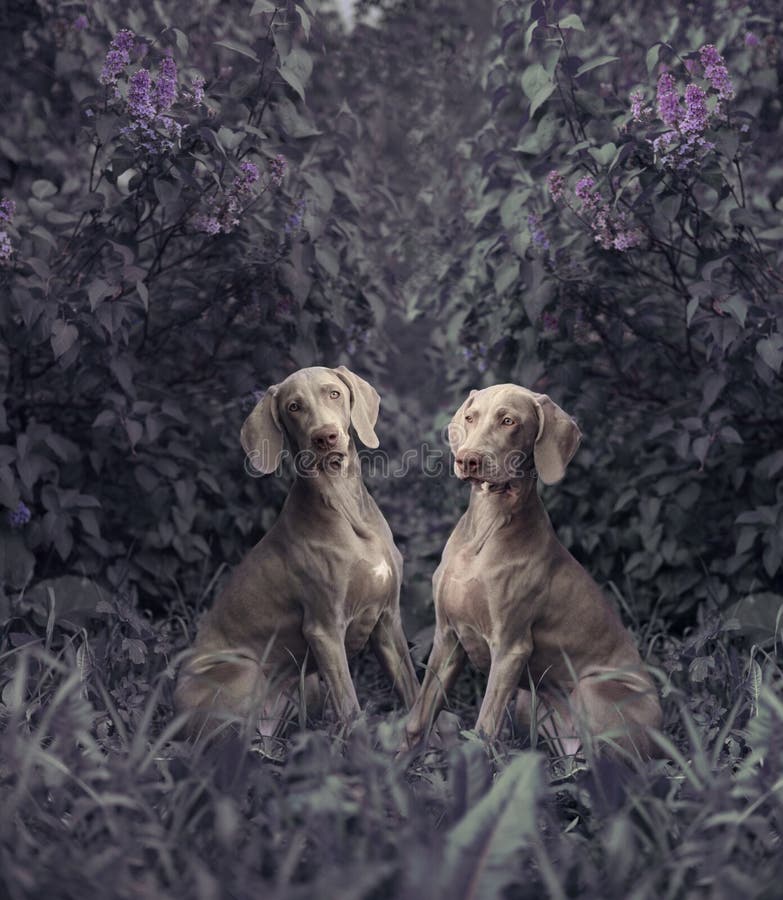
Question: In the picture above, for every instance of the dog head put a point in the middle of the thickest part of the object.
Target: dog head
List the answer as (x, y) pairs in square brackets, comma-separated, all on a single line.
[(313, 409), (501, 433)]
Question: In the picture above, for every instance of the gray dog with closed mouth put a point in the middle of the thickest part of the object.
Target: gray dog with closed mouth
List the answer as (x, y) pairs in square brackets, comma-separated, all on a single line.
[(322, 582), (513, 600)]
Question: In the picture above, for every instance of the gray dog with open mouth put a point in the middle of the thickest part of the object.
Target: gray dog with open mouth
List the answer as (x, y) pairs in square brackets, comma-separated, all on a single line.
[(513, 600), (322, 582)]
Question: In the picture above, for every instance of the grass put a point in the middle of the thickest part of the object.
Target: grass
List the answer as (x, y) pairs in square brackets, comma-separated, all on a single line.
[(98, 801)]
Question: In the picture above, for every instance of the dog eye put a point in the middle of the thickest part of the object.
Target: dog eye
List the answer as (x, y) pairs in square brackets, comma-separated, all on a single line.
[(468, 418), (293, 407), (508, 420), (334, 394)]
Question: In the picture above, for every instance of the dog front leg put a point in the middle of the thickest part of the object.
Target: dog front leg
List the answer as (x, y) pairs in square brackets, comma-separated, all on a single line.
[(505, 672), (391, 647), (443, 667), (327, 644)]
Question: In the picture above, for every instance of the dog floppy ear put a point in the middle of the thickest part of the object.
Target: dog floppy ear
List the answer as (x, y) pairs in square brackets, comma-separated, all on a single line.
[(262, 435), (365, 404), (557, 440), (456, 427)]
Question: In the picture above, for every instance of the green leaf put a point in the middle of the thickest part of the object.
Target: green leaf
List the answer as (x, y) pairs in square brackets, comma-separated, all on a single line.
[(296, 69), (737, 306), (594, 64), (534, 79), (512, 208), (770, 349), (541, 97), (143, 292), (42, 189), (603, 155), (571, 21), (482, 851), (328, 260), (305, 20), (529, 32), (97, 291), (670, 206), (262, 6), (506, 275), (651, 59), (63, 337), (294, 123), (238, 47), (537, 85), (323, 191)]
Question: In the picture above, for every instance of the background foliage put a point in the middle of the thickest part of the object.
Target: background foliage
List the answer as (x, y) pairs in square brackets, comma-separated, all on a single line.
[(383, 199)]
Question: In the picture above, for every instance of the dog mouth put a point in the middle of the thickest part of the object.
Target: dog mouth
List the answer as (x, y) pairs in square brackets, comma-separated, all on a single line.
[(490, 487), (332, 462)]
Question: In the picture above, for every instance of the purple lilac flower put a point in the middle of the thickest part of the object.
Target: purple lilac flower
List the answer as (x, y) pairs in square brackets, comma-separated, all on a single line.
[(166, 85), (694, 119), (118, 56), (715, 72), (277, 169), (638, 109), (537, 233), (20, 516), (668, 100), (198, 89), (586, 193), (6, 250), (751, 40), (296, 218), (556, 185), (80, 23), (248, 176), (627, 240), (207, 224), (140, 102), (7, 210)]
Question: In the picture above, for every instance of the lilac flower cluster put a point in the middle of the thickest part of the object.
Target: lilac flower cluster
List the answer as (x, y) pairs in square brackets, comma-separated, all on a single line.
[(537, 234), (668, 100), (118, 57), (20, 516), (716, 73), (296, 219), (80, 23), (7, 210), (640, 112), (165, 93), (149, 102), (277, 169), (197, 87), (610, 227), (556, 185), (687, 116), (225, 211)]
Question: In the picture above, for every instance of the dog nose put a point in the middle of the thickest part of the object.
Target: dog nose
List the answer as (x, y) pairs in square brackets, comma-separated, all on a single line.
[(325, 438), (469, 461)]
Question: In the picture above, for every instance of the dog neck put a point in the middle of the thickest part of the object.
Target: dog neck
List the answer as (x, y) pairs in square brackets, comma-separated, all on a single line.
[(517, 506), (339, 492)]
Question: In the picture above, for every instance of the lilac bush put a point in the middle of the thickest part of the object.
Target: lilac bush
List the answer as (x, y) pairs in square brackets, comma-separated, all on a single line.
[(662, 272), (145, 279)]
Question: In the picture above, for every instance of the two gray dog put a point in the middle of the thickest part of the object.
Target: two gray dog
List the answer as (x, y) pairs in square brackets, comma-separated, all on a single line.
[(508, 596)]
